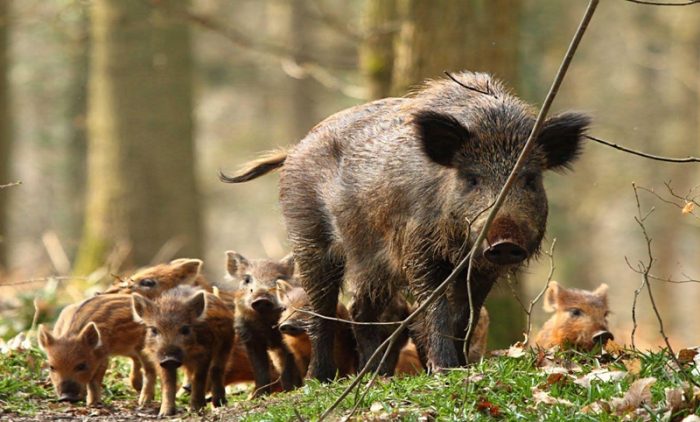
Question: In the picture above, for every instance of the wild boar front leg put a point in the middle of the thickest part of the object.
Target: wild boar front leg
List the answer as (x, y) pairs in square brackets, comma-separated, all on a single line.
[(94, 388), (168, 385), (149, 384), (199, 385)]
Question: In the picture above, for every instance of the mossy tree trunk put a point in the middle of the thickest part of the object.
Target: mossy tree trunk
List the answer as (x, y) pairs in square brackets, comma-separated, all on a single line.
[(380, 23), (141, 190), (477, 35)]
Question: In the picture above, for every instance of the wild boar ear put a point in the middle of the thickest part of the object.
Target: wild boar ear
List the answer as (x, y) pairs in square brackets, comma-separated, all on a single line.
[(550, 297), (45, 338), (562, 137), (139, 306), (198, 304), (235, 262), (90, 335), (441, 136), (288, 263), (190, 268)]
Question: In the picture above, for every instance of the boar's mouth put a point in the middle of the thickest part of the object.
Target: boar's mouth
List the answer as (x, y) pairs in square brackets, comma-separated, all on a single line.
[(505, 252)]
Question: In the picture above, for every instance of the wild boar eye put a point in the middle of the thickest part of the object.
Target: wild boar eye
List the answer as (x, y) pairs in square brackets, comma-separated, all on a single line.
[(185, 331), (575, 312), (531, 181), (472, 180), (81, 366), (147, 282)]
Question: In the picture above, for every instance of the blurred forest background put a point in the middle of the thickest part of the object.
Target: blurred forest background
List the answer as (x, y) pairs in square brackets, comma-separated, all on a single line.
[(116, 116)]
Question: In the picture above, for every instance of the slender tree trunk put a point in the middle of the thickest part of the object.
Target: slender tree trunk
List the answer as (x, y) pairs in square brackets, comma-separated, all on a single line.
[(5, 128), (141, 183), (380, 21), (302, 101), (477, 35)]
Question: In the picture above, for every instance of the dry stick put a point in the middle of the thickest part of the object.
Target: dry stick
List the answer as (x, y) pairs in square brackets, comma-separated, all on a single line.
[(657, 3), (9, 185), (688, 159), (467, 260), (637, 292), (42, 279), (530, 144), (657, 278), (537, 298), (647, 268)]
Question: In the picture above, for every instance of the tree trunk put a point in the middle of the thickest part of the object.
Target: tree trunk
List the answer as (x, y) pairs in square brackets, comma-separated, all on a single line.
[(141, 183), (302, 99), (377, 51), (477, 35), (5, 129)]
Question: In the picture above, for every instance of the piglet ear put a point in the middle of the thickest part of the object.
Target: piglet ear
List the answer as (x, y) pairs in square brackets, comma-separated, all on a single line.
[(188, 268), (90, 335), (288, 263), (562, 137), (551, 296), (601, 291), (282, 287), (235, 262), (198, 304), (441, 136), (45, 338), (140, 306)]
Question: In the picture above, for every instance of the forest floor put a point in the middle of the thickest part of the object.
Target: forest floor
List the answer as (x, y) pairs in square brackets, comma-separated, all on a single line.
[(517, 384)]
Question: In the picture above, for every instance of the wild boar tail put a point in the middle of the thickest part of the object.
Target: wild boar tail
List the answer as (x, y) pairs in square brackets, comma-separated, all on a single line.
[(258, 167)]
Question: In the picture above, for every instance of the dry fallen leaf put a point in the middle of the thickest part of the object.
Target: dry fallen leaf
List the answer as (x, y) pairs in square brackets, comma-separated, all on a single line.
[(674, 399), (688, 208), (602, 375), (638, 393), (556, 378), (485, 406), (687, 355), (545, 398), (516, 351), (633, 366), (691, 418)]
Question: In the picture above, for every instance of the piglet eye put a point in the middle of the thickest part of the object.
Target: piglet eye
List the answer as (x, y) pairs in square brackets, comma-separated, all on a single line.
[(185, 331), (51, 368), (147, 282), (81, 366), (153, 331), (247, 279), (575, 312)]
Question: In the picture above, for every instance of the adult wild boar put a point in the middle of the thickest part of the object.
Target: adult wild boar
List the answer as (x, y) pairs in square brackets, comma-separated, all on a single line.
[(391, 194)]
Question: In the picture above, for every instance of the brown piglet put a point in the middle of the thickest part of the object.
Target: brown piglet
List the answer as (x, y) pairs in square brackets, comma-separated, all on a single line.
[(86, 334), (258, 311), (151, 282), (579, 320), (192, 328), (294, 325)]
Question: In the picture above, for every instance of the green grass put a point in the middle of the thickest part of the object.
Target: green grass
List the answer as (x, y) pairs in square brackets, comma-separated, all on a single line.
[(499, 387)]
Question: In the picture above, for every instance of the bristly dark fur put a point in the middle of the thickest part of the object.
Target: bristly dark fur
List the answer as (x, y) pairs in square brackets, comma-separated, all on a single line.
[(388, 195)]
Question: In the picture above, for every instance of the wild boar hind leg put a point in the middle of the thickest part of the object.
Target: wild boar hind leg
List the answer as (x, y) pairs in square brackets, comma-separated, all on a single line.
[(321, 276), (372, 302)]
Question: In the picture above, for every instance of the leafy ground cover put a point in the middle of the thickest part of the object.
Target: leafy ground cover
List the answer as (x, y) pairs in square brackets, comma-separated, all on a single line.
[(518, 383)]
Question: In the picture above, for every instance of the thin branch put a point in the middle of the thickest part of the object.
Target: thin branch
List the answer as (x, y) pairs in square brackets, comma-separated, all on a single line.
[(688, 159), (41, 279), (530, 144), (468, 259), (341, 320), (294, 63), (11, 184), (658, 3), (537, 298), (646, 267), (471, 88)]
